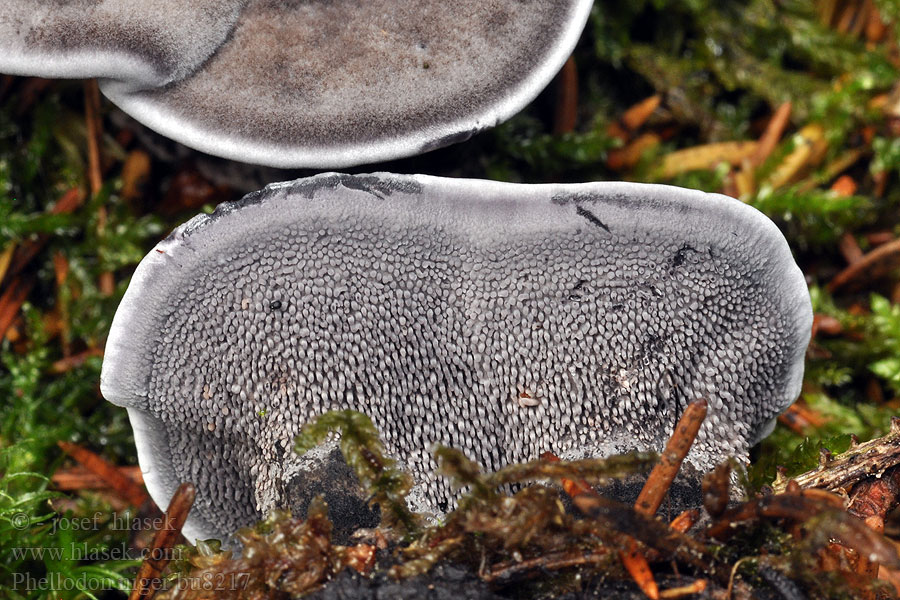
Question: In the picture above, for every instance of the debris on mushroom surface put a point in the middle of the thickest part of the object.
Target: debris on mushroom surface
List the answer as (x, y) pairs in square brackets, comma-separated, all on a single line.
[(334, 84), (138, 44), (430, 304)]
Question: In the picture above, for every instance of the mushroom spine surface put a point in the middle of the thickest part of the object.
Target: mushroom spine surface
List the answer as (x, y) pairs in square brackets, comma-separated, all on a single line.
[(502, 319)]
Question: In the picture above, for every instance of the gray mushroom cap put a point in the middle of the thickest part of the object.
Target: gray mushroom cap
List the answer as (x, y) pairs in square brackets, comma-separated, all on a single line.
[(313, 83), (435, 305), (139, 44), (332, 84)]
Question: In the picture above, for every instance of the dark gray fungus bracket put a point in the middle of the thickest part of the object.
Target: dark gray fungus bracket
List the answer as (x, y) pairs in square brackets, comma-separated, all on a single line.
[(328, 84), (309, 83), (502, 319), (136, 43)]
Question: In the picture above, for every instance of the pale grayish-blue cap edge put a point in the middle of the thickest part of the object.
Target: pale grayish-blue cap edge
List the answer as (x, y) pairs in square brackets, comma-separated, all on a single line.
[(122, 370)]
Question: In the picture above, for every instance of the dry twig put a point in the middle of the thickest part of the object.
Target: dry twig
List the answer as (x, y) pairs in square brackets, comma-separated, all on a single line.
[(859, 462), (548, 562), (832, 522)]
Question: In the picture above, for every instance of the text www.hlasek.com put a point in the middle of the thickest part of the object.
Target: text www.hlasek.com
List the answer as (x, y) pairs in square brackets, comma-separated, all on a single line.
[(86, 552)]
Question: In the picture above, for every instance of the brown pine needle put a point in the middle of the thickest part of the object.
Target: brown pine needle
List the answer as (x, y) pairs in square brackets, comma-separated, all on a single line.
[(873, 266), (548, 562), (654, 491), (799, 418), (770, 137), (11, 301), (74, 361), (632, 119), (67, 203), (809, 148), (706, 156), (80, 478), (630, 155), (634, 562), (638, 114), (637, 566), (844, 186), (663, 474), (850, 249), (656, 487), (566, 114), (94, 132), (94, 125), (697, 587), (148, 581), (133, 493), (683, 522), (6, 258)]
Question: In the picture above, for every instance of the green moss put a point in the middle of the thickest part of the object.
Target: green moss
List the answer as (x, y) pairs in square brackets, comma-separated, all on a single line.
[(720, 67), (364, 453)]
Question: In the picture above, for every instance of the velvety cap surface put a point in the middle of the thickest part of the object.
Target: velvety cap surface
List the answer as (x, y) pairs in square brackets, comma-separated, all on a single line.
[(139, 43), (502, 319), (318, 83)]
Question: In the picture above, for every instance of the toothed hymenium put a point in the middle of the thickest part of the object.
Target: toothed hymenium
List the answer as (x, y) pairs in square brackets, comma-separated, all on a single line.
[(501, 319)]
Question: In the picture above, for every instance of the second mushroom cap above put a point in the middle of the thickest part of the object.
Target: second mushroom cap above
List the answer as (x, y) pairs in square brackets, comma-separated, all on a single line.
[(138, 44), (339, 83), (311, 83)]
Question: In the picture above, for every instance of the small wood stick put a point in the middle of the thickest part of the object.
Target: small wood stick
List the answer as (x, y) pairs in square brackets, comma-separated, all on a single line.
[(133, 493), (663, 474), (148, 581), (864, 460)]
